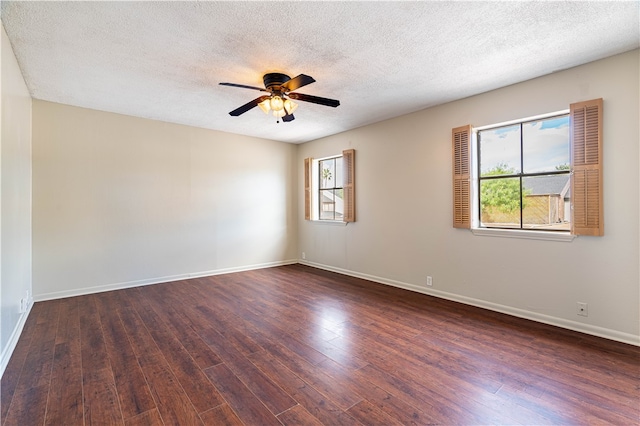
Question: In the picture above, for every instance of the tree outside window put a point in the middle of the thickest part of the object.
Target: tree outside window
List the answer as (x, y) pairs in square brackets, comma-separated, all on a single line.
[(524, 175)]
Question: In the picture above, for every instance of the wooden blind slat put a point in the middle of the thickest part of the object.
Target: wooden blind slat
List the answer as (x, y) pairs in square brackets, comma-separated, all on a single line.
[(586, 168), (461, 140), (307, 188), (349, 185)]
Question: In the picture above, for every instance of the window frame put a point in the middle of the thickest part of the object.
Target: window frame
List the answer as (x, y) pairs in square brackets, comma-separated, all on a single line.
[(320, 189), (477, 178), (312, 188)]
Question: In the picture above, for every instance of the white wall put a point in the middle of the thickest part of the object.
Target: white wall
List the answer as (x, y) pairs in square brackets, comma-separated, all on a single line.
[(15, 200), (122, 201), (403, 231)]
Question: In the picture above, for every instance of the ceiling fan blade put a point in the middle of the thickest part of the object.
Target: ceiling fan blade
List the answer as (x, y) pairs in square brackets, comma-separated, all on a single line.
[(288, 117), (298, 82), (314, 99), (246, 107), (244, 86)]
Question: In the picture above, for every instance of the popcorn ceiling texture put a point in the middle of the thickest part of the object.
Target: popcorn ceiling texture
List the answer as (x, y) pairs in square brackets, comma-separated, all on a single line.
[(164, 60)]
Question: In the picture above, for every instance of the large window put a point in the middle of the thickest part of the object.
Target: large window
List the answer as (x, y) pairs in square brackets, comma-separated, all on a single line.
[(539, 174), (523, 175), (330, 188)]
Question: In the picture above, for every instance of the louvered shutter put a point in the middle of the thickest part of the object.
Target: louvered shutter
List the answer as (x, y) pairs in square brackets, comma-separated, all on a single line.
[(586, 168), (307, 188), (349, 184), (461, 140)]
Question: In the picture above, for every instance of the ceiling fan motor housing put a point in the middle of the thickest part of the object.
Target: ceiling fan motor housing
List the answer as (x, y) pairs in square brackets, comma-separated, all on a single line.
[(273, 81)]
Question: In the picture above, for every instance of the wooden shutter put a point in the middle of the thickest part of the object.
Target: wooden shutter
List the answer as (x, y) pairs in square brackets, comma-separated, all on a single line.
[(461, 140), (349, 184), (307, 188), (586, 168)]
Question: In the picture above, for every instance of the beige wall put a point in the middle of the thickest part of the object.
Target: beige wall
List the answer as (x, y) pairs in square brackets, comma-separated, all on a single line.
[(122, 201), (15, 200), (404, 231)]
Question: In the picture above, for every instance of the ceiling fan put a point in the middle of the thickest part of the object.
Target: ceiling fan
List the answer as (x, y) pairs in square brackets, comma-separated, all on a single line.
[(280, 97)]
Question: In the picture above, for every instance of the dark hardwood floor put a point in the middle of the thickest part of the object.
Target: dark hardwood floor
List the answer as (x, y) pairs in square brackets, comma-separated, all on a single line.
[(295, 345)]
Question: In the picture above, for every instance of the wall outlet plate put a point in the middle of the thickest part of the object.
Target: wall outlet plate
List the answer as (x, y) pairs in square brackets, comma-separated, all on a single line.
[(582, 309)]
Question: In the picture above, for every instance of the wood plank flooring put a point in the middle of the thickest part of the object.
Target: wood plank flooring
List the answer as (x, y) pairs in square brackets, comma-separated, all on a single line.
[(294, 345)]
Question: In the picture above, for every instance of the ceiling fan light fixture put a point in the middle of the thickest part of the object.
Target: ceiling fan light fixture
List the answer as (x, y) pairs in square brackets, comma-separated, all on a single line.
[(276, 103), (279, 113), (265, 105), (290, 106)]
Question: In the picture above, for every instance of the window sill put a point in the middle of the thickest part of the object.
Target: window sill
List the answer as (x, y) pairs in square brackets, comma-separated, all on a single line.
[(329, 222), (527, 235)]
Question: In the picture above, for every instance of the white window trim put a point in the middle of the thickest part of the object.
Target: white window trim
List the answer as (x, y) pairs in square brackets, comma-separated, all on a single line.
[(329, 222), (520, 120), (527, 235), (315, 191), (563, 236)]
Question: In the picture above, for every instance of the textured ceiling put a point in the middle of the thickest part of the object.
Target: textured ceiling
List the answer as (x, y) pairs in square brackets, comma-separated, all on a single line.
[(164, 60)]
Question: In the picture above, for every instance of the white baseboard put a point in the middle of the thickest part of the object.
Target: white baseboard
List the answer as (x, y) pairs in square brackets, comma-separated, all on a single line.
[(516, 312), (521, 313), (158, 280), (13, 340)]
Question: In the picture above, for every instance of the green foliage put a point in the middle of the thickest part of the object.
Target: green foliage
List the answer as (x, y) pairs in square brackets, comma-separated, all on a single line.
[(326, 176), (564, 166), (501, 195), (500, 169)]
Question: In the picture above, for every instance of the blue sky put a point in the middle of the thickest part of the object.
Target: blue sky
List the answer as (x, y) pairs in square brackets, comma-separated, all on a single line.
[(546, 145)]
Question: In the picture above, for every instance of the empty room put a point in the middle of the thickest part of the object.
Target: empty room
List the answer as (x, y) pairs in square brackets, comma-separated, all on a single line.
[(320, 213)]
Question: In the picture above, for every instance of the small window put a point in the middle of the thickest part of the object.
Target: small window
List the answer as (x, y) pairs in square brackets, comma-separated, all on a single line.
[(331, 194), (523, 175), (330, 188)]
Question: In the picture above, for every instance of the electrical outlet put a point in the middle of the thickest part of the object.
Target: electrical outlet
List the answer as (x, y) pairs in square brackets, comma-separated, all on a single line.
[(429, 281), (25, 302), (582, 309), (304, 255)]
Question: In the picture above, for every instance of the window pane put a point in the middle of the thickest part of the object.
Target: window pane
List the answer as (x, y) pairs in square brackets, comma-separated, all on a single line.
[(327, 204), (339, 203), (546, 202), (339, 182), (499, 150), (327, 173), (546, 145), (500, 202)]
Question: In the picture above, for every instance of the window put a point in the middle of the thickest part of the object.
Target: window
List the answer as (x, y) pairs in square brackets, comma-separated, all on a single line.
[(330, 188), (331, 194), (540, 174), (523, 175)]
